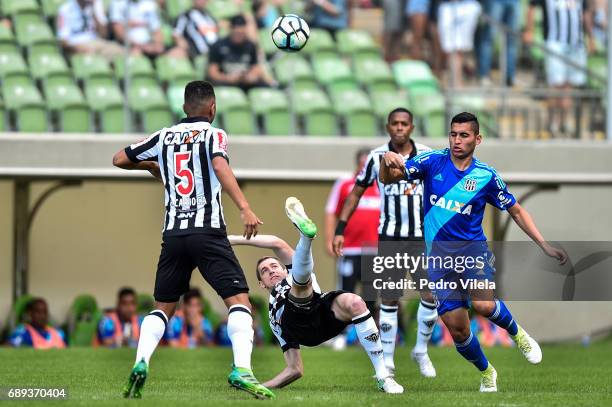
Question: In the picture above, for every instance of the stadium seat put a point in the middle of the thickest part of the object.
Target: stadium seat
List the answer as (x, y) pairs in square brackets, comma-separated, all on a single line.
[(3, 126), (333, 72), (223, 9), (320, 43), (431, 113), (22, 98), (294, 69), (200, 64), (50, 8), (176, 96), (410, 74), (175, 8), (235, 111), (12, 64), (32, 30), (373, 72), (357, 42), (105, 98), (17, 312), (150, 102), (599, 65), (171, 69), (265, 40), (146, 302), (66, 100), (88, 66), (356, 110), (46, 61), (384, 101), (315, 109), (272, 105), (14, 7), (83, 319), (6, 35), (138, 66)]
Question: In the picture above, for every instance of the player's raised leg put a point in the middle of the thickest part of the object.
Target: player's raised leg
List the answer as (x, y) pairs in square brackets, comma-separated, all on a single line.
[(458, 323), (151, 331), (498, 313), (351, 307)]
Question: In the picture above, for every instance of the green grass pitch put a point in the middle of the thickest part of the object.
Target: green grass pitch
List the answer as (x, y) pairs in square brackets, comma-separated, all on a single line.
[(568, 376)]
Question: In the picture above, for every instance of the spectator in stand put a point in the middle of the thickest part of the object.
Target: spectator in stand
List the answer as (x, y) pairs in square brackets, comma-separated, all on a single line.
[(120, 327), (233, 60), (506, 12), (82, 28), (143, 25), (195, 31), (565, 25), (600, 23), (188, 328), (37, 333), (266, 12), (360, 235), (422, 17), (330, 15), (394, 25), (457, 21)]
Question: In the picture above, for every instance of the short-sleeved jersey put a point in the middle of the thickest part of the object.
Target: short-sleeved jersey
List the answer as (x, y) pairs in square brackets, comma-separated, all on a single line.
[(184, 153), (76, 24), (454, 200), (401, 210), (278, 299), (233, 58), (361, 227), (143, 17)]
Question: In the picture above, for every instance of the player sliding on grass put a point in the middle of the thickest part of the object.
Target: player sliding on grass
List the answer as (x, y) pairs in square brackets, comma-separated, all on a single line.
[(457, 189), (300, 314)]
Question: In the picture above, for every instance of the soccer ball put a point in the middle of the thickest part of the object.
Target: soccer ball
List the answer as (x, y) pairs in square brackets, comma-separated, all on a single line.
[(290, 33)]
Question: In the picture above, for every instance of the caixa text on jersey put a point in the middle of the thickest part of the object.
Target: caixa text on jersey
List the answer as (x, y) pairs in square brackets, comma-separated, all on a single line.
[(185, 137)]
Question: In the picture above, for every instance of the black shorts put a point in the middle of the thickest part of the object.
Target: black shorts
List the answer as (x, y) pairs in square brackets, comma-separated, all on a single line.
[(211, 253), (312, 323)]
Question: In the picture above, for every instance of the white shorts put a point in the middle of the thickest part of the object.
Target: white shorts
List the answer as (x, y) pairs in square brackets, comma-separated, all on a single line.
[(558, 72), (457, 21)]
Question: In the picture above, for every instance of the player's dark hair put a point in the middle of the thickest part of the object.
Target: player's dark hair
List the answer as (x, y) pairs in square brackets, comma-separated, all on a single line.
[(125, 291), (399, 110), (192, 293), (198, 92), (466, 117), (37, 300), (266, 258), (360, 153), (238, 21)]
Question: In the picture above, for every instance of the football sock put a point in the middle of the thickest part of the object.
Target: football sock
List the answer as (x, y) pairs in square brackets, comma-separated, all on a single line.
[(427, 315), (503, 318), (388, 332), (240, 332), (151, 332), (471, 350), (302, 263), (368, 335)]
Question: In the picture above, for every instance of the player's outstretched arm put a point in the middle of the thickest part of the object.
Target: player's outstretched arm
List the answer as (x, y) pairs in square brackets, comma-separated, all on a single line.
[(291, 373), (281, 249), (121, 160), (350, 204), (392, 168), (230, 185), (524, 220)]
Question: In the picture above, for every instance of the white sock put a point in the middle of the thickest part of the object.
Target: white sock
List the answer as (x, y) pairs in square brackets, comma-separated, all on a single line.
[(427, 315), (388, 332), (151, 332), (302, 263), (368, 335), (240, 332)]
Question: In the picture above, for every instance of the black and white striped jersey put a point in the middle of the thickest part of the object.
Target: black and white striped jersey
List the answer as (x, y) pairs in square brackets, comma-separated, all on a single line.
[(192, 191), (278, 299), (563, 20), (401, 203)]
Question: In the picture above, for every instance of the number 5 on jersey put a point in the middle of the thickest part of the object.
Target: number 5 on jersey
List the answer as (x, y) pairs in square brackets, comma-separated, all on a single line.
[(182, 171)]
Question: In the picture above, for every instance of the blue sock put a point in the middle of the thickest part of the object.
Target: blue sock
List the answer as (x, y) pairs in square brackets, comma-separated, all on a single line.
[(503, 318), (471, 350)]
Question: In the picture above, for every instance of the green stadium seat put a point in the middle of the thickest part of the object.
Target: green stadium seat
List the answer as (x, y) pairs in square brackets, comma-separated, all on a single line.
[(12, 64), (373, 71), (139, 67), (32, 30), (172, 69), (17, 313), (357, 42), (294, 69), (88, 66), (599, 65), (105, 98), (50, 8), (223, 9), (22, 97), (235, 111), (272, 105), (265, 40), (83, 319), (175, 8), (65, 99), (410, 74), (148, 99), (6, 34), (355, 108), (176, 97), (333, 72), (45, 63), (384, 101), (320, 43), (14, 7), (200, 64), (431, 112), (315, 109)]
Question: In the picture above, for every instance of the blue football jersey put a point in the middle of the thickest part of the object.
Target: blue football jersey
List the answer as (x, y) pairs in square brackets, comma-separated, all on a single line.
[(454, 201)]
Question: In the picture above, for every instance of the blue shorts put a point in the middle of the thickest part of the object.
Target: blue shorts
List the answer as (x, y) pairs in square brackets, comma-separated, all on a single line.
[(418, 7), (452, 289)]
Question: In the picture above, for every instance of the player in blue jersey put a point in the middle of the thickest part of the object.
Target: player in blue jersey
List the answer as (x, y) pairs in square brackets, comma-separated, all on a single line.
[(457, 187)]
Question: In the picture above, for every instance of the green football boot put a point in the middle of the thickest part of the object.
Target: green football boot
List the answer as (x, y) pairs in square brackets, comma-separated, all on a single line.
[(136, 380), (243, 379), (297, 215)]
